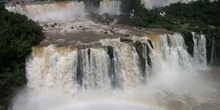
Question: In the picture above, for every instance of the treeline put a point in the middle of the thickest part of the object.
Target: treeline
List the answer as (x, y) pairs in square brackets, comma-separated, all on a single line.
[(203, 12), (17, 35), (201, 16)]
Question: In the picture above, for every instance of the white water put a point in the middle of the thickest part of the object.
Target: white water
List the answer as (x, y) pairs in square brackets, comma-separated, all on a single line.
[(63, 11), (199, 54), (110, 6), (95, 70), (51, 11), (67, 78)]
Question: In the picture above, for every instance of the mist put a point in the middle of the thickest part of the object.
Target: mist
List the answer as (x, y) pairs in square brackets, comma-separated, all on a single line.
[(185, 89)]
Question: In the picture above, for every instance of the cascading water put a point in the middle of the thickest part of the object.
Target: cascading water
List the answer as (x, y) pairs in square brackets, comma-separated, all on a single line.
[(94, 69), (124, 73), (92, 7), (67, 11), (110, 6), (50, 68), (45, 12), (199, 55)]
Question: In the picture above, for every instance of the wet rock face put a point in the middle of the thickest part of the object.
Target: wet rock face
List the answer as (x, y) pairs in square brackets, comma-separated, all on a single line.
[(126, 39)]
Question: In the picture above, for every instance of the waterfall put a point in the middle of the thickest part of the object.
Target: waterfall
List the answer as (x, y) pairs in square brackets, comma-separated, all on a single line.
[(95, 63), (50, 68), (45, 12), (67, 11), (115, 65), (161, 61), (199, 53), (92, 7), (110, 6)]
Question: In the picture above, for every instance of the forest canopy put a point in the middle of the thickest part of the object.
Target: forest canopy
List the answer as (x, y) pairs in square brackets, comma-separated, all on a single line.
[(17, 35)]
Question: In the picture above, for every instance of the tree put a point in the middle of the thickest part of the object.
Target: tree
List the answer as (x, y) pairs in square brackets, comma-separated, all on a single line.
[(17, 36)]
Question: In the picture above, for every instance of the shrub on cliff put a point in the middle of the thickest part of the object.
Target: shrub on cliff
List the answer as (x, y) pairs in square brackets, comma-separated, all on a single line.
[(17, 35)]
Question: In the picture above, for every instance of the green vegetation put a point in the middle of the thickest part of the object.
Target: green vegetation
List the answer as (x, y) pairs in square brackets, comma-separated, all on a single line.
[(17, 35), (200, 12), (142, 17), (201, 16)]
